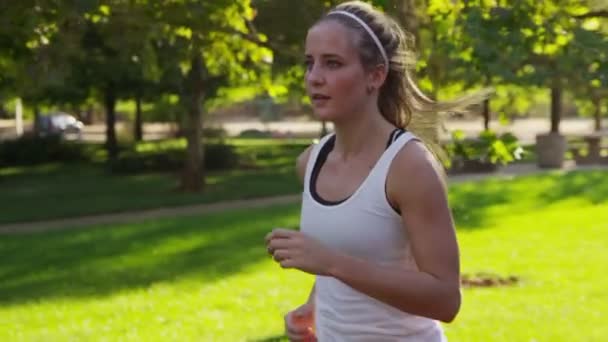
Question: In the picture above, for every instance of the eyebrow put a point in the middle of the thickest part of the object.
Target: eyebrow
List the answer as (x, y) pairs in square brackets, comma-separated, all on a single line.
[(326, 55)]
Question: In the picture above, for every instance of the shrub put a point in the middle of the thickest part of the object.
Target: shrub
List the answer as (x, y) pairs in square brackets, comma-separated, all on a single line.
[(215, 132), (487, 149), (255, 133), (216, 157), (220, 157), (33, 150)]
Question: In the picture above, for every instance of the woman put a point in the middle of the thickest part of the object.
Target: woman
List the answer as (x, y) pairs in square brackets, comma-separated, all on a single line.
[(376, 229)]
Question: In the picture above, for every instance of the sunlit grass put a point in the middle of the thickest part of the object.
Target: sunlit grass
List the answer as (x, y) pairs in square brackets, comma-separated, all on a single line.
[(207, 278)]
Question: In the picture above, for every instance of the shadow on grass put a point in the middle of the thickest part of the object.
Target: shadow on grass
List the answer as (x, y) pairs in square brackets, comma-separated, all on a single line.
[(469, 202), (102, 261), (589, 185), (473, 203), (105, 260), (60, 191)]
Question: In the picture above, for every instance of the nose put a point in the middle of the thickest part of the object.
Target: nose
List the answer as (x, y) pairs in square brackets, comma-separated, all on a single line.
[(314, 77)]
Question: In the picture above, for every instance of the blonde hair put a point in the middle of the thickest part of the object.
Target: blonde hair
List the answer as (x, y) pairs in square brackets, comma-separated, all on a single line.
[(400, 100)]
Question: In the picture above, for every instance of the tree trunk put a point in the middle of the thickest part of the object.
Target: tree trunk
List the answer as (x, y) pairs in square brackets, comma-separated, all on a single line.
[(138, 133), (597, 114), (110, 106), (556, 108), (486, 114), (87, 117), (193, 176), (36, 119)]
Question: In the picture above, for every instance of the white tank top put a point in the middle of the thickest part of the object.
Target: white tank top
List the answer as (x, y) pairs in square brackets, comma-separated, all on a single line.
[(365, 226)]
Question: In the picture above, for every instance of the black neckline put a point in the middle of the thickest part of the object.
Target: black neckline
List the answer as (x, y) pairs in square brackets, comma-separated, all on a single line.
[(322, 158)]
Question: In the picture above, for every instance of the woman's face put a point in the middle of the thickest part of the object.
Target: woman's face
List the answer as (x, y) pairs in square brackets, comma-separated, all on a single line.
[(336, 81)]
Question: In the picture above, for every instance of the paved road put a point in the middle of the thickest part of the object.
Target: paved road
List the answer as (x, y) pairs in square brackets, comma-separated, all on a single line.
[(525, 129)]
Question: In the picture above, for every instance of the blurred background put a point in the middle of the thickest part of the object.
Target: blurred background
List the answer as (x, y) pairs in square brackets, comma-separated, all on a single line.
[(163, 127)]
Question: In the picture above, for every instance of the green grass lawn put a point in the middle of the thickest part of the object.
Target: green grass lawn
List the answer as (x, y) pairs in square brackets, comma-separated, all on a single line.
[(68, 190), (56, 191), (208, 278)]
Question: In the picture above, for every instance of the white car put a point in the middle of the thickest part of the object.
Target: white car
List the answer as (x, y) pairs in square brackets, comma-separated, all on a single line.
[(65, 125)]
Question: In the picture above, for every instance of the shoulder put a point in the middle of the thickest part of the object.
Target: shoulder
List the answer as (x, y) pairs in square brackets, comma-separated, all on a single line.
[(415, 173), (302, 161), (415, 158)]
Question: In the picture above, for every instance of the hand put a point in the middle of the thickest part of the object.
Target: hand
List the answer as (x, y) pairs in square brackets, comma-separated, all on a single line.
[(299, 324), (293, 249)]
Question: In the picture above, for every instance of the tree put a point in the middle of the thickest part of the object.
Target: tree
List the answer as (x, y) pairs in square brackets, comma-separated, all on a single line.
[(115, 53), (214, 45), (286, 34), (37, 38), (537, 48), (537, 43), (590, 84), (66, 51)]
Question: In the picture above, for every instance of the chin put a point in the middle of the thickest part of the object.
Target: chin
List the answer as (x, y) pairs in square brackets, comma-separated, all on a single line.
[(326, 114)]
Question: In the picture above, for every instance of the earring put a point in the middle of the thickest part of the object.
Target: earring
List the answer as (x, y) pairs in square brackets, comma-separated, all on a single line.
[(370, 89)]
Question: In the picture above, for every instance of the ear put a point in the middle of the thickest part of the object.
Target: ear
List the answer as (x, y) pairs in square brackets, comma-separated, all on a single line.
[(376, 77)]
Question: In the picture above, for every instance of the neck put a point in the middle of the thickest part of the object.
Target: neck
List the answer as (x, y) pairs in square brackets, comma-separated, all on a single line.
[(361, 133)]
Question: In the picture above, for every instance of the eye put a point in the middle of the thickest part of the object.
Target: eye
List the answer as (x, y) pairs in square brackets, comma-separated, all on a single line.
[(333, 64)]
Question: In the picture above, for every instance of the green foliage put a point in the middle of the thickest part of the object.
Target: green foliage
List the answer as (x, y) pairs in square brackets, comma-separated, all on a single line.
[(540, 42), (221, 154), (254, 133), (31, 150), (216, 157), (286, 35), (215, 133), (488, 147), (165, 108), (34, 61), (232, 54), (69, 52)]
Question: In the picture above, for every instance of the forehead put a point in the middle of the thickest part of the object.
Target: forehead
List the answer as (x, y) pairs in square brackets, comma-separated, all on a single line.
[(330, 37)]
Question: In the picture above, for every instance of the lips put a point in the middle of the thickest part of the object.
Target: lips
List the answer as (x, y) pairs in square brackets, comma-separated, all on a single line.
[(320, 97), (319, 100)]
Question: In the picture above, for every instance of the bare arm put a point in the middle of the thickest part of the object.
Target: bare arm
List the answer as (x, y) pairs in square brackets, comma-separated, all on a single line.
[(434, 290), (301, 163)]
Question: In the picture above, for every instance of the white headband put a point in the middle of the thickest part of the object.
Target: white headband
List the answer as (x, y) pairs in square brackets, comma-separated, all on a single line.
[(371, 34)]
